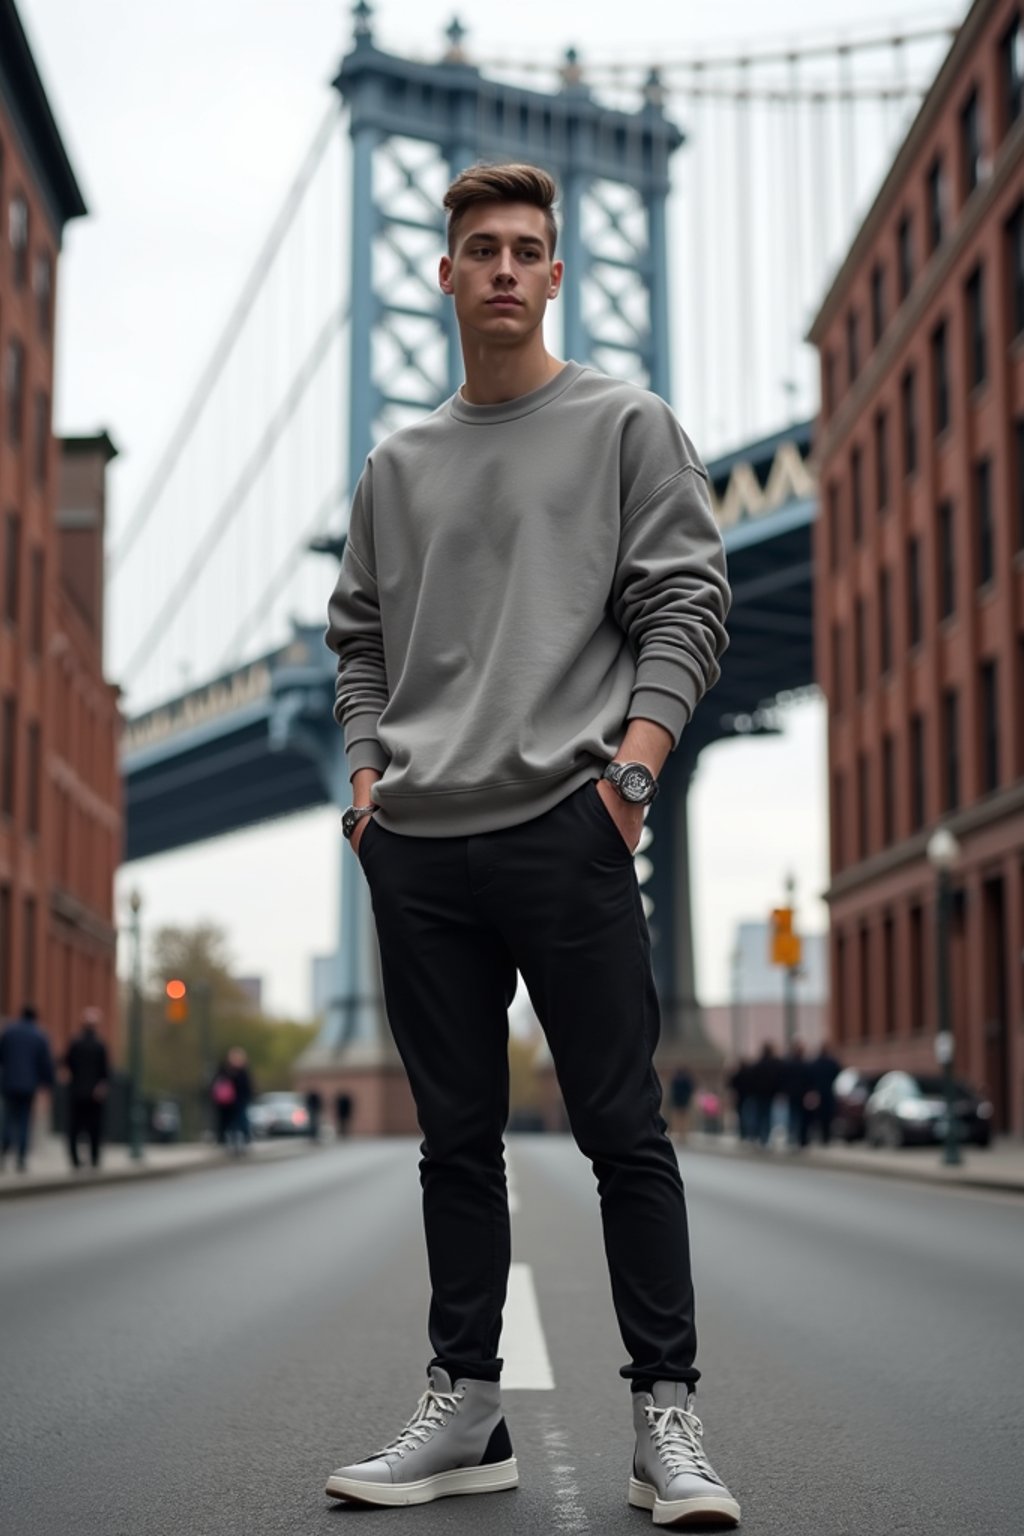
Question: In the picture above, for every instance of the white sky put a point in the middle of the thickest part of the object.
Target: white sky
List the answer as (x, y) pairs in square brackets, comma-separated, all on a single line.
[(185, 124)]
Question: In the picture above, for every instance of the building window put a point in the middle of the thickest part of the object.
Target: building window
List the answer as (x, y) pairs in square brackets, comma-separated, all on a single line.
[(1011, 54), (877, 303), (840, 994), (852, 345), (1015, 266), (889, 993), (860, 660), (837, 668), (917, 1018), (8, 755), (857, 493), (914, 614), (974, 291), (970, 143), (951, 746), (36, 597), (936, 203), (905, 254), (834, 529), (28, 945), (17, 225), (888, 790), (12, 566), (881, 459), (42, 285), (983, 521), (41, 437), (14, 387), (33, 771), (940, 376), (908, 397), (947, 559), (989, 727), (6, 951), (863, 807), (839, 820), (917, 783), (885, 619), (1018, 465), (829, 381), (864, 969)]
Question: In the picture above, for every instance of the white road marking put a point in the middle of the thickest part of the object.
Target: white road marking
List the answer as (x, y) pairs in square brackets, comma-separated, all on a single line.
[(527, 1362), (568, 1515)]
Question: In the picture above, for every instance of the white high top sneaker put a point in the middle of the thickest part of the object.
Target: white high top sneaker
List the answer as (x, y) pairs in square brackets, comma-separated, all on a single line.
[(672, 1477), (456, 1442)]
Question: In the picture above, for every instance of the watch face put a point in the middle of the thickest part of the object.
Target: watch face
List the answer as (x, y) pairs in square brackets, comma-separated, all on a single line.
[(635, 785), (348, 823)]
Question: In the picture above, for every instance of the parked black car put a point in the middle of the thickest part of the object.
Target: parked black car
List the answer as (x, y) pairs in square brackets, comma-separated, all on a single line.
[(852, 1089), (909, 1108)]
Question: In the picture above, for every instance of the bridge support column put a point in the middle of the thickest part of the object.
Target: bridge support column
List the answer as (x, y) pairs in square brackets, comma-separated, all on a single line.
[(671, 920)]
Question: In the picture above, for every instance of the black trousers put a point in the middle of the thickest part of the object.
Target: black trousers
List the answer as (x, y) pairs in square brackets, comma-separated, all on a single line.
[(556, 897), (85, 1116)]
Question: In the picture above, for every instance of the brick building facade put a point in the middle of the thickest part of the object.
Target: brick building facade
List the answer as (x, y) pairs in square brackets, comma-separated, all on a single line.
[(920, 577), (60, 812)]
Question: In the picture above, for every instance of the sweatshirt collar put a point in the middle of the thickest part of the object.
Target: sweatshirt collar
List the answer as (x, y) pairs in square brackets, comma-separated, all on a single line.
[(523, 405)]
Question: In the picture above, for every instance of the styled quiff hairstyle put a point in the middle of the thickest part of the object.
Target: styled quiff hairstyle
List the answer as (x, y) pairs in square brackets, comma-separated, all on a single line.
[(508, 183)]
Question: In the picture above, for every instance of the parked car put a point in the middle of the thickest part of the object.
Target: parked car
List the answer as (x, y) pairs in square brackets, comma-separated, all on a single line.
[(909, 1108), (279, 1114), (852, 1089)]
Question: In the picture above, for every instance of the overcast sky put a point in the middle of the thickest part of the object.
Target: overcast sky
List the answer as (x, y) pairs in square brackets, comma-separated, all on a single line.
[(185, 124)]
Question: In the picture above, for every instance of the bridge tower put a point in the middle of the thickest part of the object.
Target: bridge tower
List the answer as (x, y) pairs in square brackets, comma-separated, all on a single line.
[(413, 127)]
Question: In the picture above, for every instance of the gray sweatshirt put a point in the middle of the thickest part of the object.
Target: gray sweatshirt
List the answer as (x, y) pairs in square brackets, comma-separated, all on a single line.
[(518, 582)]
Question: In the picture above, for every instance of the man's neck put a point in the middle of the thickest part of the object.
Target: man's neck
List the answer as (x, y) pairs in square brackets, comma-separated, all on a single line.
[(494, 376)]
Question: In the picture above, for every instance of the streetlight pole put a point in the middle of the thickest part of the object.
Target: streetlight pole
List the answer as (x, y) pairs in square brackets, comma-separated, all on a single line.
[(943, 851), (790, 975), (136, 1111)]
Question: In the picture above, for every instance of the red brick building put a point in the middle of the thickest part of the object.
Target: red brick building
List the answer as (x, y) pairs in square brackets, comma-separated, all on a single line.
[(60, 832), (920, 577)]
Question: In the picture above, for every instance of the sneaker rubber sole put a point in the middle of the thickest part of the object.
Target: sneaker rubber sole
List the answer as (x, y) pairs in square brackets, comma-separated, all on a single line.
[(712, 1511), (491, 1479)]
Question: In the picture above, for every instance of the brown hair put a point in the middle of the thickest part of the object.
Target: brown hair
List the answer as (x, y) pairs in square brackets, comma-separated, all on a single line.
[(507, 183)]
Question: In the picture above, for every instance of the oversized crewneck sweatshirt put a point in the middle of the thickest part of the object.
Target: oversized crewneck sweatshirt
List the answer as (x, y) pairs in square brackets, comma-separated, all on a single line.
[(519, 581)]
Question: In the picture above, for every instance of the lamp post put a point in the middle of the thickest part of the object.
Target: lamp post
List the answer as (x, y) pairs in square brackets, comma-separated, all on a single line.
[(789, 976), (943, 851), (136, 1111)]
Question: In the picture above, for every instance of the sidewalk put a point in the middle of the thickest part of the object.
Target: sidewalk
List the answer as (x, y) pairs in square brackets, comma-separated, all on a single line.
[(1000, 1168), (49, 1170)]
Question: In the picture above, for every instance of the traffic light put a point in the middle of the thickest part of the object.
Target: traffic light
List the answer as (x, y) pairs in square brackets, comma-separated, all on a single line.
[(785, 944), (175, 1002)]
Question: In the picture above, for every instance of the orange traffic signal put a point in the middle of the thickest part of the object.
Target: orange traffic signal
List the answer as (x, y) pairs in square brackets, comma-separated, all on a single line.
[(176, 1004), (785, 944)]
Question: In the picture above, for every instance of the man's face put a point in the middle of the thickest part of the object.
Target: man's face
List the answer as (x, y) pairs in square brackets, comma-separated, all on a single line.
[(500, 273)]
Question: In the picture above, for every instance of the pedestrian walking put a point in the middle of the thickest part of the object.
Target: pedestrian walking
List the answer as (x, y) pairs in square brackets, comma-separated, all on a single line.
[(765, 1085), (797, 1086), (343, 1107), (824, 1070), (531, 603), (26, 1065), (239, 1130), (222, 1097), (681, 1094), (740, 1084), (87, 1071), (314, 1109)]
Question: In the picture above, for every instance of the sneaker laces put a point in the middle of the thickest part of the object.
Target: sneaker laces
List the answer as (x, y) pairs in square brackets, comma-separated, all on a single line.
[(677, 1439), (432, 1412)]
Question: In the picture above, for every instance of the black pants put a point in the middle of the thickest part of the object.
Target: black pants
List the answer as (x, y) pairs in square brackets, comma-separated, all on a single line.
[(85, 1117), (556, 897), (17, 1120)]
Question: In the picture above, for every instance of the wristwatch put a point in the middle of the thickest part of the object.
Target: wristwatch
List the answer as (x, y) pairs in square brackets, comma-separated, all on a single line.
[(354, 814), (634, 782)]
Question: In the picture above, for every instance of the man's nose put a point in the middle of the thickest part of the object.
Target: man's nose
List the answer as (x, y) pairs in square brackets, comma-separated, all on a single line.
[(505, 271)]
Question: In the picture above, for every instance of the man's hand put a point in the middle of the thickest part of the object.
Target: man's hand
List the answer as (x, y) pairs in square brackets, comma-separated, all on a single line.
[(628, 818), (360, 832)]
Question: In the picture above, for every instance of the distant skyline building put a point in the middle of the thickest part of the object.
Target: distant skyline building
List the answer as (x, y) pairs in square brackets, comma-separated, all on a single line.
[(755, 1013), (60, 798), (919, 578)]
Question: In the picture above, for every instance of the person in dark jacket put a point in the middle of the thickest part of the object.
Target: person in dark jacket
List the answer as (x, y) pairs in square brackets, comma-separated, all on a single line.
[(765, 1082), (26, 1065), (797, 1086), (239, 1075), (740, 1083), (824, 1070), (88, 1070)]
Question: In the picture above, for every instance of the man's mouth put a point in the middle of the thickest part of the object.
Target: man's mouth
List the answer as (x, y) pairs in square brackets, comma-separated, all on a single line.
[(506, 301)]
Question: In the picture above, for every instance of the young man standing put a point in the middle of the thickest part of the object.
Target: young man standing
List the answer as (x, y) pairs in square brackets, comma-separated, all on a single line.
[(531, 604)]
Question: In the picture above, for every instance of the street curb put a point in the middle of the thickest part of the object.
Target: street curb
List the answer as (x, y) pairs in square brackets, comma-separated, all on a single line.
[(965, 1180), (106, 1179)]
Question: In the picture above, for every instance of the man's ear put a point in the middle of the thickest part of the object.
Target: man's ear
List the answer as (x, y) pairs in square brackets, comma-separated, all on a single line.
[(444, 274), (557, 271)]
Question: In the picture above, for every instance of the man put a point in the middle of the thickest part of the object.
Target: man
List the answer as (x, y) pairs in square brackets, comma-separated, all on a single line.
[(88, 1073), (797, 1083), (531, 603), (765, 1082), (824, 1070), (681, 1093), (26, 1065)]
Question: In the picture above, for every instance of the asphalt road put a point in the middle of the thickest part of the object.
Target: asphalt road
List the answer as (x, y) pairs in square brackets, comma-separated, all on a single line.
[(195, 1355)]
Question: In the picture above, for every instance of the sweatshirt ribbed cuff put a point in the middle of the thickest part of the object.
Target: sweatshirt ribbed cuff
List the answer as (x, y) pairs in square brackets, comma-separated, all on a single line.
[(362, 746), (666, 693)]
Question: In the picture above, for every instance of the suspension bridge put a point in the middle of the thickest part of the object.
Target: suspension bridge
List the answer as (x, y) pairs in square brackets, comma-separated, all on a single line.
[(703, 202)]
